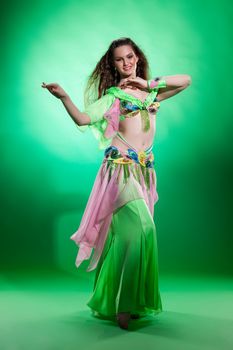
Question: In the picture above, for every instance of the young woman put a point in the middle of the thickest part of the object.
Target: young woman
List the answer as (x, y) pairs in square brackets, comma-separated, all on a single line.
[(118, 219)]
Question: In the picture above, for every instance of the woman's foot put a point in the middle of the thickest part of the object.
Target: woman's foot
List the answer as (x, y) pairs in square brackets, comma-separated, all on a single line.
[(123, 319)]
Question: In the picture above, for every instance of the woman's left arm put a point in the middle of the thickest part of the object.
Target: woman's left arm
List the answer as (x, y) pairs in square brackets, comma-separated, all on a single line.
[(174, 85)]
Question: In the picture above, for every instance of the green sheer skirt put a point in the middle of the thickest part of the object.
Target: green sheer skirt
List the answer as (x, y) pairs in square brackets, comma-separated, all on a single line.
[(126, 277)]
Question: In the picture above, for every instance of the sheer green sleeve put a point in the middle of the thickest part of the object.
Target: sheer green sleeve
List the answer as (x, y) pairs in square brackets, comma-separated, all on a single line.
[(98, 123)]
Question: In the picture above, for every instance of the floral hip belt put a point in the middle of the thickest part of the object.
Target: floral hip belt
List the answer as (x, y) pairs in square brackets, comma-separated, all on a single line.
[(145, 158)]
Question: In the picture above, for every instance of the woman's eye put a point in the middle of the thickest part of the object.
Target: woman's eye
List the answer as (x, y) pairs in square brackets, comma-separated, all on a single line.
[(127, 57)]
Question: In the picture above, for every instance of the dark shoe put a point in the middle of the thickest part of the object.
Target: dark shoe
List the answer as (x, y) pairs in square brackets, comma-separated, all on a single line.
[(134, 316), (123, 319)]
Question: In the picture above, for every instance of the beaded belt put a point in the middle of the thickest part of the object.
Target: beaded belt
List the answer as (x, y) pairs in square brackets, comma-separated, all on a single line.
[(145, 158)]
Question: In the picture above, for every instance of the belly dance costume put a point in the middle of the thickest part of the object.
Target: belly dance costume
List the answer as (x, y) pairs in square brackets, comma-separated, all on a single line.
[(118, 219)]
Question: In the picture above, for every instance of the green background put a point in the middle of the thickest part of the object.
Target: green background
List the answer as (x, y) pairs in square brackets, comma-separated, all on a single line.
[(48, 167)]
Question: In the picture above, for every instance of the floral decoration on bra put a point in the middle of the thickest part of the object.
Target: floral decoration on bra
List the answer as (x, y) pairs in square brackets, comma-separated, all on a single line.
[(128, 109), (130, 105)]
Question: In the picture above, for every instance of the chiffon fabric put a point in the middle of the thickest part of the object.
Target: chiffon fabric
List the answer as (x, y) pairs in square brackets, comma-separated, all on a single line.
[(126, 277), (118, 219), (107, 111), (119, 216), (118, 181)]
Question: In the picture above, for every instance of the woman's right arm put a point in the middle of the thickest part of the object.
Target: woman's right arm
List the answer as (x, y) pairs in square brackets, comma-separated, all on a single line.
[(80, 118)]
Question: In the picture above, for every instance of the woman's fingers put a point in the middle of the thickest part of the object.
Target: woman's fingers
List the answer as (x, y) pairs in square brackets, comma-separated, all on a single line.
[(49, 85)]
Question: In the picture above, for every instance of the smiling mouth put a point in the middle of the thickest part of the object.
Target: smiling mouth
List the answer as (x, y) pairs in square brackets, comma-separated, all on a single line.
[(127, 68)]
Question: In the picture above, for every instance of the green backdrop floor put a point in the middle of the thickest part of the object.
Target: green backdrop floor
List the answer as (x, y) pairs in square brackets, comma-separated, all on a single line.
[(47, 310)]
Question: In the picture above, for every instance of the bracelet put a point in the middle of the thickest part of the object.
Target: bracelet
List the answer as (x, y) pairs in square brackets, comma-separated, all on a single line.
[(151, 84)]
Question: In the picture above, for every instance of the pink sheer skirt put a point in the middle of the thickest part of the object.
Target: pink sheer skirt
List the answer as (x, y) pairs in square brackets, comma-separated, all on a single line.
[(123, 176)]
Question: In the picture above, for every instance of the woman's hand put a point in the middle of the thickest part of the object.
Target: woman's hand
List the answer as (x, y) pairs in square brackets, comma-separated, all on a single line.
[(55, 90), (134, 83)]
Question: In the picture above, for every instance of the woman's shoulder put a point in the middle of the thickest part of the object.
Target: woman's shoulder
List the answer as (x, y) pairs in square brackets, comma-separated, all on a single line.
[(105, 98), (116, 91)]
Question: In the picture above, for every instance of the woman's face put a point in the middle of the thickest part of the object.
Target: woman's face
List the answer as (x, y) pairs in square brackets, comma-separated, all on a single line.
[(125, 61)]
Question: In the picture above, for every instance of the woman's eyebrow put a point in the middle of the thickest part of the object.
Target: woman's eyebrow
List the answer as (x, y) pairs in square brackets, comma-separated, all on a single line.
[(123, 56)]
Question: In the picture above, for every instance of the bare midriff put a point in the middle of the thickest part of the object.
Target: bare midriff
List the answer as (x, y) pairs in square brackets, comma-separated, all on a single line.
[(132, 131)]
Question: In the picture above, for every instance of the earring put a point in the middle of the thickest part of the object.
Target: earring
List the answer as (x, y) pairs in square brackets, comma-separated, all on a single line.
[(115, 73)]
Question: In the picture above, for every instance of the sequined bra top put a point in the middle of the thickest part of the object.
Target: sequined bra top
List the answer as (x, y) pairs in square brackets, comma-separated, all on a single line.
[(130, 105)]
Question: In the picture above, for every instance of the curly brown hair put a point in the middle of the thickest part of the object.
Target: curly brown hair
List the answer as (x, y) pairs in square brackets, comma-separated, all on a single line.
[(105, 75)]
